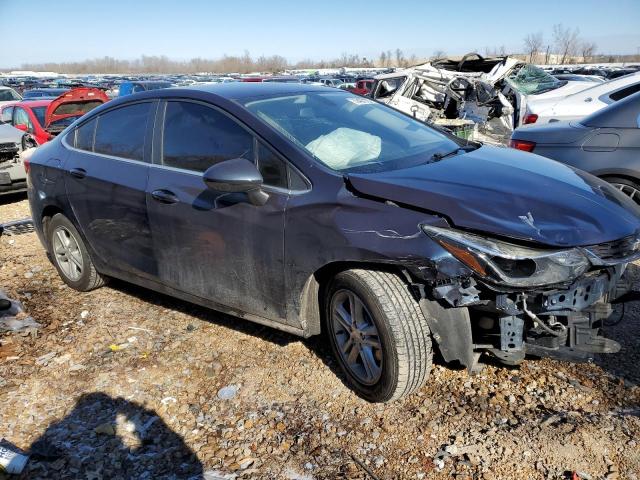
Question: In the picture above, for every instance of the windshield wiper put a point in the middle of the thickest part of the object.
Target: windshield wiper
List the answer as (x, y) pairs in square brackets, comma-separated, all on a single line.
[(439, 156)]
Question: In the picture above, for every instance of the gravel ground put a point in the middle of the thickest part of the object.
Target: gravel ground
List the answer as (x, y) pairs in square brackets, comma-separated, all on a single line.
[(125, 383)]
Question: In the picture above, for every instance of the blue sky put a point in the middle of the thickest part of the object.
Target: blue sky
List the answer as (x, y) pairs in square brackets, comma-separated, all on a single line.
[(67, 30)]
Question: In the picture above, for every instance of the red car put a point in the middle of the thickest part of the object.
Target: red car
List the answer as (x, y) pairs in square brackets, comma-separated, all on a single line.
[(363, 87), (44, 119)]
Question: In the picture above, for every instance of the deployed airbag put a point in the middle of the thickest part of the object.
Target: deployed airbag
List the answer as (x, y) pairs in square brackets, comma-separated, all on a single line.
[(345, 147)]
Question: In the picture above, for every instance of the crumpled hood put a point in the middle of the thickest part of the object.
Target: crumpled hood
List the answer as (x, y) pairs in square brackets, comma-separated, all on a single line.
[(509, 193)]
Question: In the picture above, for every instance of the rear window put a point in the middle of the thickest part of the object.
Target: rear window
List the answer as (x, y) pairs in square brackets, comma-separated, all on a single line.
[(121, 132), (77, 107), (625, 92)]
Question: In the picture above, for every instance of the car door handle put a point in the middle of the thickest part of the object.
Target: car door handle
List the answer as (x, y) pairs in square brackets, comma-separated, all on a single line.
[(78, 172), (164, 196)]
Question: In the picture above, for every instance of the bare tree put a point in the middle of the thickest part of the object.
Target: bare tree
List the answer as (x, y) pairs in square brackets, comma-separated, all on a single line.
[(438, 54), (532, 44), (588, 50), (400, 62), (566, 41), (383, 59)]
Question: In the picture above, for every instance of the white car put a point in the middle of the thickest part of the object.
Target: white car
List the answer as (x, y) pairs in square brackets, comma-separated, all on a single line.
[(8, 95), (583, 103), (486, 95)]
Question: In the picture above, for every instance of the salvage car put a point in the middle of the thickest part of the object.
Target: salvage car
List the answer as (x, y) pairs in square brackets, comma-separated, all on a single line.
[(44, 119), (13, 145), (583, 103), (8, 95), (605, 143), (312, 210), (363, 87), (489, 95)]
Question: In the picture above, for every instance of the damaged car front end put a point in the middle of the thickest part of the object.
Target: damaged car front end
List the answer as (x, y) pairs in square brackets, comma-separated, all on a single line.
[(544, 302), (478, 98)]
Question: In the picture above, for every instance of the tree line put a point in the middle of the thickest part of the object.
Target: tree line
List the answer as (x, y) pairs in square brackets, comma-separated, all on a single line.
[(226, 64)]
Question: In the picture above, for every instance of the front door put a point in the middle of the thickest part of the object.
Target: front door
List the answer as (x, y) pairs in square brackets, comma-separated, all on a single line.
[(217, 246)]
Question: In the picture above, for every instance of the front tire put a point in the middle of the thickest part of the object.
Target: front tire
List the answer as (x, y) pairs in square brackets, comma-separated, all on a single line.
[(378, 334), (70, 256)]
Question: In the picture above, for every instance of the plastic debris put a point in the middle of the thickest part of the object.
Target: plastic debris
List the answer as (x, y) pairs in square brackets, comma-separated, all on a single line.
[(12, 459), (12, 316), (228, 392)]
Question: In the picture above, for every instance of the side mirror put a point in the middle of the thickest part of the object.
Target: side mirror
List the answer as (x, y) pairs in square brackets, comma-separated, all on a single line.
[(22, 127), (238, 175)]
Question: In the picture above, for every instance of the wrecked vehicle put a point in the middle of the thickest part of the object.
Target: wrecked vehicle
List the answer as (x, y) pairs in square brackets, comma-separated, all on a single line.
[(312, 210), (14, 145), (478, 98), (45, 118)]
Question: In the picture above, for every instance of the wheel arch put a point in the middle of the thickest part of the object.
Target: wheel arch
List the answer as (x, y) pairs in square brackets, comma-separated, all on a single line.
[(313, 293)]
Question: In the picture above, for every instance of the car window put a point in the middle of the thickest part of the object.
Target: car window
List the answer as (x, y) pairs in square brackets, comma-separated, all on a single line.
[(625, 92), (84, 136), (39, 112), (7, 95), (272, 168), (6, 114), (121, 132), (21, 117), (346, 132), (197, 136)]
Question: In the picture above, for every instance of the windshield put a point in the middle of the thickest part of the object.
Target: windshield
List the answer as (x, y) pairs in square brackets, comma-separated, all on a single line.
[(8, 95), (39, 113), (349, 133), (532, 80)]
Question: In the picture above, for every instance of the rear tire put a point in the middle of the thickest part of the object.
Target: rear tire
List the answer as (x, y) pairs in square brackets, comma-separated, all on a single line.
[(391, 335), (69, 255)]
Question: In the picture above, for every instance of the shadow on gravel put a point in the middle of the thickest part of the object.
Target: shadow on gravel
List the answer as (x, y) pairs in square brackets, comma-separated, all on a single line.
[(627, 332), (319, 344), (106, 437), (8, 198)]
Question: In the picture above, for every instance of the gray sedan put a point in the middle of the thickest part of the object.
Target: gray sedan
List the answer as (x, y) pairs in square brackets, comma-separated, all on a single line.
[(605, 143)]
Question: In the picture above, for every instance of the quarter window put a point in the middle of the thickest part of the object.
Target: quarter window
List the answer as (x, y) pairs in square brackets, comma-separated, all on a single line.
[(121, 132), (21, 117), (84, 136), (272, 169), (196, 137)]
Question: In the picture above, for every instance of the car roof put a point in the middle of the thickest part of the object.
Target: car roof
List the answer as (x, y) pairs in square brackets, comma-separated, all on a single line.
[(245, 90), (621, 114)]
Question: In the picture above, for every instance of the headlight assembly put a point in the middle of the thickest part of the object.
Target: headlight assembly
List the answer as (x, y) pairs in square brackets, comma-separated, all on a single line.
[(510, 264)]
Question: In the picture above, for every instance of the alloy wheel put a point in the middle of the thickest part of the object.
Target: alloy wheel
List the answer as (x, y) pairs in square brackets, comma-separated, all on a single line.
[(629, 191), (67, 253), (356, 337)]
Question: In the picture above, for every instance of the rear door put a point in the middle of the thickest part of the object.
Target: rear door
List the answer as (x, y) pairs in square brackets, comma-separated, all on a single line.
[(210, 244), (106, 178)]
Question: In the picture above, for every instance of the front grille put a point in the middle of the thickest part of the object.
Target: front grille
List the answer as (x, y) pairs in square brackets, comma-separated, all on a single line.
[(9, 147), (617, 248)]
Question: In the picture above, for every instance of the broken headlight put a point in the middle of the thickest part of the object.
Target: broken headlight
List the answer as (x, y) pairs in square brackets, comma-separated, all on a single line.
[(510, 264)]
